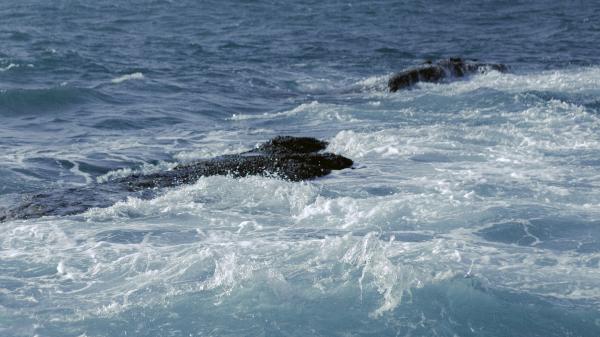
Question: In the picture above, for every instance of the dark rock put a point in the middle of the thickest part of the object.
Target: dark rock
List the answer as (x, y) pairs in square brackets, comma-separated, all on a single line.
[(436, 72), (291, 158)]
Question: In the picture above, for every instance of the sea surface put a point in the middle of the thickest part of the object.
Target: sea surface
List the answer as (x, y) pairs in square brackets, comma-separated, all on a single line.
[(473, 208)]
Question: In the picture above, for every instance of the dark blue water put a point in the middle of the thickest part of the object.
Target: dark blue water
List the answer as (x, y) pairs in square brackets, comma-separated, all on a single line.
[(472, 210)]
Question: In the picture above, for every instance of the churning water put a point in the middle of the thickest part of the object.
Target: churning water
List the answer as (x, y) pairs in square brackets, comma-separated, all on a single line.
[(473, 208)]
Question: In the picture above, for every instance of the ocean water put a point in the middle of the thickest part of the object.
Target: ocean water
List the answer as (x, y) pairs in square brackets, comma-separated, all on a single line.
[(473, 208)]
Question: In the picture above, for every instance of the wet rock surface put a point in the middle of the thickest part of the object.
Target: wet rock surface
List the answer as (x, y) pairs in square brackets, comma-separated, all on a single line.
[(291, 158), (442, 70)]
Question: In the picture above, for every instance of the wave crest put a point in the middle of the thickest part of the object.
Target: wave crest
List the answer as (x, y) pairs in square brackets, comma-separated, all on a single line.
[(128, 77), (46, 99)]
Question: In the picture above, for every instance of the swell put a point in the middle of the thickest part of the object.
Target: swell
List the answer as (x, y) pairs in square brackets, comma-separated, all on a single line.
[(39, 100)]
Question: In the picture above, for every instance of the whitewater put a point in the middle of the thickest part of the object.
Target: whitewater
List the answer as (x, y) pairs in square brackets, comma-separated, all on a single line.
[(472, 208)]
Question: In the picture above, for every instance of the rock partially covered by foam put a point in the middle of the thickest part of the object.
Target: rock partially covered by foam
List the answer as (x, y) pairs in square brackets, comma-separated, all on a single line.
[(292, 158), (444, 69)]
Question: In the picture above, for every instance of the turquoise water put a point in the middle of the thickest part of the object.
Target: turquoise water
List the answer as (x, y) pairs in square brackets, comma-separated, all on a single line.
[(472, 210)]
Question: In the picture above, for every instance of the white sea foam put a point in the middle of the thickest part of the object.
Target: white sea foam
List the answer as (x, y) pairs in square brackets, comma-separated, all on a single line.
[(565, 80), (302, 108), (220, 193), (146, 168), (312, 110), (374, 83), (9, 67), (264, 115), (76, 170), (316, 84), (128, 77)]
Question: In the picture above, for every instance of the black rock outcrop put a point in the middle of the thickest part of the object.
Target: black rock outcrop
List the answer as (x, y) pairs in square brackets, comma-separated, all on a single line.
[(291, 158), (436, 72)]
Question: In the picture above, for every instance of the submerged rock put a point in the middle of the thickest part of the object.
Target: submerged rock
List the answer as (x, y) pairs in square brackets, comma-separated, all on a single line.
[(450, 68), (292, 158)]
